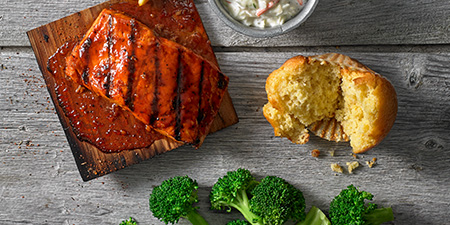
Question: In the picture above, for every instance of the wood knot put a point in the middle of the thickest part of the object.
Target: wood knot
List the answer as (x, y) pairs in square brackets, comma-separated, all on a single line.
[(415, 79), (432, 144), (416, 167)]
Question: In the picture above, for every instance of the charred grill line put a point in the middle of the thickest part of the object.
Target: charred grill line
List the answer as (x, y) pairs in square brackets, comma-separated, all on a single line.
[(131, 68), (107, 83), (85, 47), (85, 75), (221, 83), (157, 78), (179, 89), (200, 91)]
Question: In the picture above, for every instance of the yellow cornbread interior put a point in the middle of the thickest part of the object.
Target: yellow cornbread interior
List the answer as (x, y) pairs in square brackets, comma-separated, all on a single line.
[(286, 125), (317, 90), (359, 111), (310, 92)]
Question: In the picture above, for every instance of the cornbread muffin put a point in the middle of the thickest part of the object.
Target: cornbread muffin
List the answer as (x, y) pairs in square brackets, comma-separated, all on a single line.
[(334, 91)]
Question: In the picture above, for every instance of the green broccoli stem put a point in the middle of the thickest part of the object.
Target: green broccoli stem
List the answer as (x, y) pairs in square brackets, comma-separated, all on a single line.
[(195, 218), (379, 216), (242, 204), (315, 217)]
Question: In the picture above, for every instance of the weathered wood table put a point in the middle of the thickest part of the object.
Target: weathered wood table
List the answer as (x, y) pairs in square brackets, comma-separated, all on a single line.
[(406, 41)]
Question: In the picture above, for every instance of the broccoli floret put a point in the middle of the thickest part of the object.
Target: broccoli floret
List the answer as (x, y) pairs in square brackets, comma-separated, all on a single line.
[(349, 208), (239, 222), (231, 191), (174, 198), (315, 217), (273, 201), (276, 201), (130, 221)]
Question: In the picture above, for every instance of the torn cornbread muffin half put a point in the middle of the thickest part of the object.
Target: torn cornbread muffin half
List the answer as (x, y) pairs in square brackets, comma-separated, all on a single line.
[(332, 95)]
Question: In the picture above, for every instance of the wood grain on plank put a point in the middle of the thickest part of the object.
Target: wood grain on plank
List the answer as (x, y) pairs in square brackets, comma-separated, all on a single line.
[(91, 162), (41, 184), (344, 22)]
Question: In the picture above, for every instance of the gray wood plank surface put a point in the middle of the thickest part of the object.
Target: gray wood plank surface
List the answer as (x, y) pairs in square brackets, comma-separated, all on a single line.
[(40, 184), (406, 41), (346, 22)]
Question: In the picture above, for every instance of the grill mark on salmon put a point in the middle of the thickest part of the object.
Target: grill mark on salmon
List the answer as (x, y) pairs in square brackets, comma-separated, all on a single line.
[(131, 68), (177, 101), (121, 60), (85, 75), (222, 82), (154, 109), (85, 47), (175, 91), (200, 92), (107, 83)]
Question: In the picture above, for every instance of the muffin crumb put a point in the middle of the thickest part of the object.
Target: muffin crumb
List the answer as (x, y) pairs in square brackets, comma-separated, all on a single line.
[(371, 163), (315, 153), (336, 168), (332, 153), (352, 166)]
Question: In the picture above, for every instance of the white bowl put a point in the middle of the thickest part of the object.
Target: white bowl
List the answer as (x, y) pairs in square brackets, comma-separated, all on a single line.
[(289, 25)]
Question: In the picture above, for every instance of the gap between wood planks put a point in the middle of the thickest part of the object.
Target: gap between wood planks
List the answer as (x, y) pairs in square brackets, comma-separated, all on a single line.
[(426, 48)]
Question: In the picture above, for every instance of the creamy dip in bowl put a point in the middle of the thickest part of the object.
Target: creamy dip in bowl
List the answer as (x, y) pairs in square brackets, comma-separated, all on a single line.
[(263, 18), (262, 13)]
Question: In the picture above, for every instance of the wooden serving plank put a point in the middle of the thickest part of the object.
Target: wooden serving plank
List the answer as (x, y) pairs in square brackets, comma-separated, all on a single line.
[(92, 162)]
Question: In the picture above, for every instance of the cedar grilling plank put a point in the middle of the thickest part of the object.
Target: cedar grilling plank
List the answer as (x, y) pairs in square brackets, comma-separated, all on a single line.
[(163, 84)]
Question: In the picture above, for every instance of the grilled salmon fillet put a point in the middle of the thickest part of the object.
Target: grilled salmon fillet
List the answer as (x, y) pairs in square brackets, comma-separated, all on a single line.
[(164, 85)]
